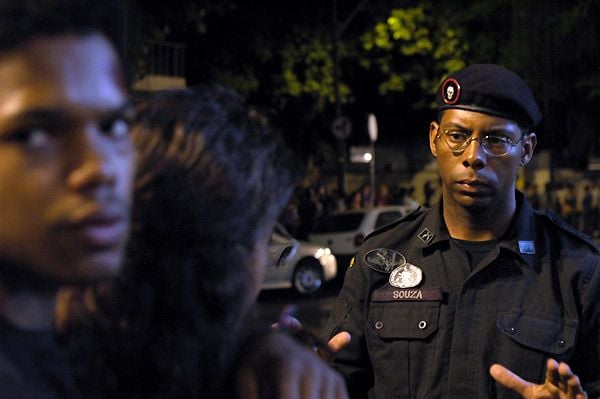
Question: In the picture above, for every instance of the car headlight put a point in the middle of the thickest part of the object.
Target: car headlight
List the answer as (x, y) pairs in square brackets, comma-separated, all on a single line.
[(322, 252)]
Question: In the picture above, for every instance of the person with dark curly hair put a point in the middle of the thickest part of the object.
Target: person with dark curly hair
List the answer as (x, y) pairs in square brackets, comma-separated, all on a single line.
[(211, 182), (66, 174)]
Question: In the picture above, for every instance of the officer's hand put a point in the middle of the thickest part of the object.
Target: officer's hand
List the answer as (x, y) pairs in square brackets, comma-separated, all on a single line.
[(277, 367), (560, 382), (338, 342)]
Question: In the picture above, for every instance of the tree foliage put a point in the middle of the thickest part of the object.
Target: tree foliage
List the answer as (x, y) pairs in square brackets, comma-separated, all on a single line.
[(412, 46), (409, 47), (280, 56), (307, 68)]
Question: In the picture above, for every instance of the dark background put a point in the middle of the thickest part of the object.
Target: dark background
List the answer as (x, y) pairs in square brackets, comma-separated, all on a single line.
[(260, 47)]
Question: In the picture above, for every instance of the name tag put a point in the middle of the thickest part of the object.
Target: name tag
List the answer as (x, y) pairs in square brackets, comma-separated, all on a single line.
[(422, 294)]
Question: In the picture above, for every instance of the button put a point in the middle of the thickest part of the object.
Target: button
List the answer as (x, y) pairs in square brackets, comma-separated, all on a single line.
[(379, 325), (422, 324), (511, 330), (561, 342)]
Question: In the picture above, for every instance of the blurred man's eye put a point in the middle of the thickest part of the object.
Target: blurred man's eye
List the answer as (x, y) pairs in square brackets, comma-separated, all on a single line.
[(33, 138), (116, 128)]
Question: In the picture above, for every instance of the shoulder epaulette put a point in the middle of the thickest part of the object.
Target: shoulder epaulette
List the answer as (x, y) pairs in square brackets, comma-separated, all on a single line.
[(572, 231), (409, 217)]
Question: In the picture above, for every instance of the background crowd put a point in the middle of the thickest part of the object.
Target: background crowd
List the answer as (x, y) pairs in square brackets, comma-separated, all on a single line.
[(577, 202)]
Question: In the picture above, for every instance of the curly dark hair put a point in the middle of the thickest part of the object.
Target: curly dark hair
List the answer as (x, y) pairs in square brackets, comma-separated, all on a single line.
[(211, 181)]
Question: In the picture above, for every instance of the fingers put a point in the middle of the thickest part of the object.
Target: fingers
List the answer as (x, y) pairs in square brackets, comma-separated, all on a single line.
[(335, 344), (568, 381), (339, 341), (287, 320), (552, 375), (309, 378), (575, 389), (560, 382), (277, 367), (336, 387), (287, 323), (509, 379)]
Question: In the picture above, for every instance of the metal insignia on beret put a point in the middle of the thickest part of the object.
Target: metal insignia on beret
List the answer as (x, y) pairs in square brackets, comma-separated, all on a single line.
[(406, 276), (384, 260), (450, 91)]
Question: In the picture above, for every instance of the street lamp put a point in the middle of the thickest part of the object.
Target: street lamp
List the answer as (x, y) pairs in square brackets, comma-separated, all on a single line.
[(372, 127), (341, 126)]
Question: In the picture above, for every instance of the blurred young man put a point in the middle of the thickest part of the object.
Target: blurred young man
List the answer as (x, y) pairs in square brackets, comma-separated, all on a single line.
[(66, 168), (66, 177), (437, 301)]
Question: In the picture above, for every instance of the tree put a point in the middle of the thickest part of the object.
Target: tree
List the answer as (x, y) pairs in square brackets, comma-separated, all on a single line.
[(413, 47)]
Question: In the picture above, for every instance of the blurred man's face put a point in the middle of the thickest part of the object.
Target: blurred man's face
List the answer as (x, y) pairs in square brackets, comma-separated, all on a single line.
[(66, 159)]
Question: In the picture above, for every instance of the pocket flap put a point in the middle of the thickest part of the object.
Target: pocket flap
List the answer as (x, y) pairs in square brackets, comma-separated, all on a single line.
[(404, 320), (554, 336)]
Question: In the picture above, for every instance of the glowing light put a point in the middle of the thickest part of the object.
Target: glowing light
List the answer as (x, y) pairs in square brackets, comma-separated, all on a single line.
[(321, 252)]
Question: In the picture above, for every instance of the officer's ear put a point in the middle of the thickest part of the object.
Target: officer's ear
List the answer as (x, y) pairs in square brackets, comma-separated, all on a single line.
[(433, 131), (529, 143)]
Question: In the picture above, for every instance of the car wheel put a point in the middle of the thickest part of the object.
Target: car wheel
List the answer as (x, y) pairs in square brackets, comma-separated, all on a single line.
[(308, 277)]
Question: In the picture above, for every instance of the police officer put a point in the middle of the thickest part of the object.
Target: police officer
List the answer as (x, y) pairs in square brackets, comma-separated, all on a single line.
[(481, 295)]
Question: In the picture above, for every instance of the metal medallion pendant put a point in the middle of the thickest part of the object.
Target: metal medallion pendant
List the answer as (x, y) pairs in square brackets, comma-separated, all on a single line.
[(406, 276)]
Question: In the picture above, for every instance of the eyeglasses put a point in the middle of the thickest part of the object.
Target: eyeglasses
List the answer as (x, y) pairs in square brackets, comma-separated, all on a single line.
[(493, 145)]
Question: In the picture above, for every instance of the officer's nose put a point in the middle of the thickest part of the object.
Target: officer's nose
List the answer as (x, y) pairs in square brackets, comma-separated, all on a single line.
[(474, 155)]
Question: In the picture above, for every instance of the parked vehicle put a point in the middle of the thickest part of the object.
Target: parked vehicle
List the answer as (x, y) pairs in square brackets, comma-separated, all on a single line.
[(298, 264), (344, 232)]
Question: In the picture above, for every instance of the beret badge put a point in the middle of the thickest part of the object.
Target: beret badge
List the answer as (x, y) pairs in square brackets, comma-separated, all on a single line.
[(450, 91)]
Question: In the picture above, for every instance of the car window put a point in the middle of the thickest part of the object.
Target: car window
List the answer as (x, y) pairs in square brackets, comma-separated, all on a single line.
[(386, 218), (339, 223)]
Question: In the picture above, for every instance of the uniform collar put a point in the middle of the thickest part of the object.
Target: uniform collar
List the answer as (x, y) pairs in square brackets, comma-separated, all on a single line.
[(520, 236), (519, 239), (433, 230)]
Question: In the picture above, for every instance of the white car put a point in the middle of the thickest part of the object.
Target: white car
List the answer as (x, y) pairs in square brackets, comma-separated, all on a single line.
[(344, 232), (298, 264)]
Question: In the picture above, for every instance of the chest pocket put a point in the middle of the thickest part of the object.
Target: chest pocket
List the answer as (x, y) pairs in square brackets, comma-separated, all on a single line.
[(404, 320), (547, 335), (401, 339)]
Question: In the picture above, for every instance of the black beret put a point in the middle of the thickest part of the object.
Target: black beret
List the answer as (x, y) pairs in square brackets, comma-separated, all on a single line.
[(490, 89)]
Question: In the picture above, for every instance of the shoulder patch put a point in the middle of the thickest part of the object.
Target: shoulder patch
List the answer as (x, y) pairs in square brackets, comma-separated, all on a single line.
[(406, 218), (384, 260)]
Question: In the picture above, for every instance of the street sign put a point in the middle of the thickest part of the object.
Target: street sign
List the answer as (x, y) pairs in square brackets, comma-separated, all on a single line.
[(341, 127)]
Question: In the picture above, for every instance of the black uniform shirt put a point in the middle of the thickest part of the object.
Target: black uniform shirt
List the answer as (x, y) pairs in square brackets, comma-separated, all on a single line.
[(535, 295), (33, 365)]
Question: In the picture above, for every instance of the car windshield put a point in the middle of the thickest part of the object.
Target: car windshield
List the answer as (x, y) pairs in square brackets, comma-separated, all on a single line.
[(339, 223)]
